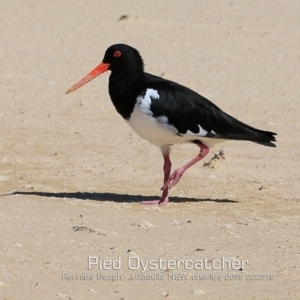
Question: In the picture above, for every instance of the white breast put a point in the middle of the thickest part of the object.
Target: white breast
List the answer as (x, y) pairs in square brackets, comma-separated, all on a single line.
[(155, 130)]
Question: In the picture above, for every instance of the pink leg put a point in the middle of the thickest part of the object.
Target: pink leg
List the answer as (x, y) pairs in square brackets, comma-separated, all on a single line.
[(175, 177), (167, 170)]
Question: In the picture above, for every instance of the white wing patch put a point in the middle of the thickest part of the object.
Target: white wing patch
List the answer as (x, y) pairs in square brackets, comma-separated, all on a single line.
[(162, 119), (145, 101), (202, 132)]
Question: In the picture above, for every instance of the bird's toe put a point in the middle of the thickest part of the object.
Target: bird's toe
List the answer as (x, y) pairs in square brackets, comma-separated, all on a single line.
[(162, 201)]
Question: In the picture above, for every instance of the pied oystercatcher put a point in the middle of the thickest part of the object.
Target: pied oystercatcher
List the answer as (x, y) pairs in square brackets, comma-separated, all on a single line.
[(165, 113)]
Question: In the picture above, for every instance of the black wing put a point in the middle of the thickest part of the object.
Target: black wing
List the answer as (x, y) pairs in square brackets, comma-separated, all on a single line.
[(185, 109)]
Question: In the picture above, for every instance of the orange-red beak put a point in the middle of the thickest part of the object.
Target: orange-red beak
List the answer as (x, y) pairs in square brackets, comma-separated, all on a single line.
[(93, 74)]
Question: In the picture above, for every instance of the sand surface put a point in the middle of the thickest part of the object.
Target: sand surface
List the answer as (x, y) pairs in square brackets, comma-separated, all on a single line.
[(72, 172)]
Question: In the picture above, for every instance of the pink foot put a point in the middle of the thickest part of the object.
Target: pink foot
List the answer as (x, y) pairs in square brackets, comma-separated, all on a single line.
[(173, 179), (162, 201)]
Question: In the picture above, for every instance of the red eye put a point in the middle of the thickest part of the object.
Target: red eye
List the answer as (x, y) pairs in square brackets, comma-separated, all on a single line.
[(117, 54)]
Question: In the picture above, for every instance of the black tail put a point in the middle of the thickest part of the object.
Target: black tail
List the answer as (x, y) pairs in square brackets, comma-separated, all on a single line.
[(244, 132), (233, 129), (265, 138)]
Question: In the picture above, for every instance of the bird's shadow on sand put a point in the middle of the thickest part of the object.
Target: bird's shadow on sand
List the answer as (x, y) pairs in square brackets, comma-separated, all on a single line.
[(115, 197)]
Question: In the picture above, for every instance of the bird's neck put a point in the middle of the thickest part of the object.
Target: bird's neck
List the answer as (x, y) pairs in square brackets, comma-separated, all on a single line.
[(124, 88)]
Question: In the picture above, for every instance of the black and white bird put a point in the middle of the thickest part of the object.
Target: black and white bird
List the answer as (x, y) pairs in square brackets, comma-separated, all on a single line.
[(165, 113)]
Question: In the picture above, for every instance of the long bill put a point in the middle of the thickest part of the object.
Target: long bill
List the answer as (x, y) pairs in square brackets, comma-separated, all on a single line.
[(103, 67)]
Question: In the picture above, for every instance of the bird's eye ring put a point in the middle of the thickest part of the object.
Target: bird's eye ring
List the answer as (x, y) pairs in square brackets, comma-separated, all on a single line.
[(117, 54)]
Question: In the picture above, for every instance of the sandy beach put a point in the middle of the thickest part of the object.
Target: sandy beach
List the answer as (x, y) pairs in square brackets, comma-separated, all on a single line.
[(72, 172)]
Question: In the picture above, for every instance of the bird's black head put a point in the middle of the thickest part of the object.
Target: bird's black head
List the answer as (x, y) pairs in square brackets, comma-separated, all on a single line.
[(123, 57), (117, 57)]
